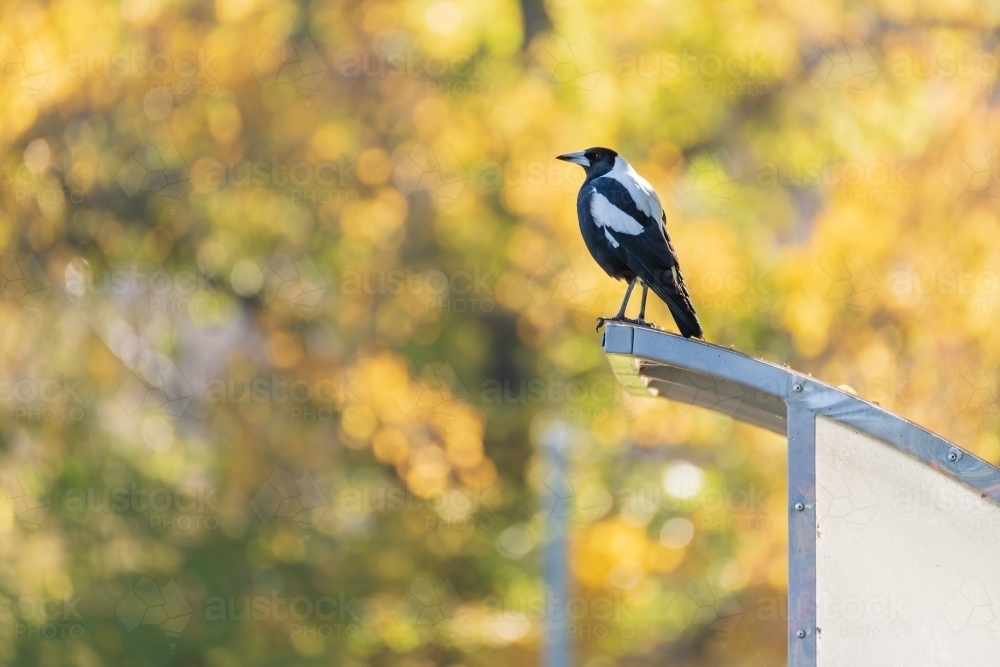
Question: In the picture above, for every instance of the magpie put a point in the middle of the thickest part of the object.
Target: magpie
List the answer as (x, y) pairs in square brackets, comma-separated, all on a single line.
[(625, 229)]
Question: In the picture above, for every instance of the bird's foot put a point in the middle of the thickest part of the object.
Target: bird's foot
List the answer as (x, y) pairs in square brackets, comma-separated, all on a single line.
[(602, 320), (643, 323)]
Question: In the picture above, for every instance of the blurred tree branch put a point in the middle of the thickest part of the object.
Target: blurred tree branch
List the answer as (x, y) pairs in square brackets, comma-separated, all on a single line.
[(535, 19)]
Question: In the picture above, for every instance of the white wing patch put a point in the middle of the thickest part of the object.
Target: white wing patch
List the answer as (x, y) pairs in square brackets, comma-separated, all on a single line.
[(609, 237), (643, 194), (609, 216)]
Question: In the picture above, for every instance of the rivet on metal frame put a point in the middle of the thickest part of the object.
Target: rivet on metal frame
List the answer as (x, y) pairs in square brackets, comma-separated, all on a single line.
[(954, 454)]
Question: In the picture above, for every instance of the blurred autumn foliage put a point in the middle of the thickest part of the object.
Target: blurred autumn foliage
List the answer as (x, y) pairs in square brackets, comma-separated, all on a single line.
[(293, 294)]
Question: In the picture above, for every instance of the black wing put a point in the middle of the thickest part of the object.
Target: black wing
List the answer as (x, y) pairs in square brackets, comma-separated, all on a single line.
[(651, 255)]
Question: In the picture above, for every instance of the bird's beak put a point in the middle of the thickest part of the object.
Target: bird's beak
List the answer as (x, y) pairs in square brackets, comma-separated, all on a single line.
[(575, 158)]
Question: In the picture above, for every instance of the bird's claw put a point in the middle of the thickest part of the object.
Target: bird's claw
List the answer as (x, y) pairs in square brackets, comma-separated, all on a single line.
[(643, 323), (601, 321)]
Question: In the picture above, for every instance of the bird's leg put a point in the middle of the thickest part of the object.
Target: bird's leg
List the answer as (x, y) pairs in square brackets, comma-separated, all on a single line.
[(642, 307), (621, 311)]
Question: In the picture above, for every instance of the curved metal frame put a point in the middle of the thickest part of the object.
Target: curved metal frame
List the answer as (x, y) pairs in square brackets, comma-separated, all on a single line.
[(649, 362)]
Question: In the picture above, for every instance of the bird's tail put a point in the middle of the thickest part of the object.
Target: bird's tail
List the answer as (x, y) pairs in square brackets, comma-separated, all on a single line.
[(669, 285)]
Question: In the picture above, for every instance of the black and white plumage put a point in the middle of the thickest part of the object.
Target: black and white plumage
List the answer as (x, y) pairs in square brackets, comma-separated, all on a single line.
[(625, 229)]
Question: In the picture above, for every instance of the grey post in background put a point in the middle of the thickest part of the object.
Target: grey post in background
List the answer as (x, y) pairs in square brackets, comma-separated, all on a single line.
[(556, 505)]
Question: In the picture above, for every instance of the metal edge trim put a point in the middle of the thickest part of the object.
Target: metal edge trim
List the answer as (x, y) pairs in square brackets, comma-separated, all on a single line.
[(802, 630), (645, 344)]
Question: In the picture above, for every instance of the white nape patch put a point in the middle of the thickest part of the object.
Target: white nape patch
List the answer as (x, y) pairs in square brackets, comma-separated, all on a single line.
[(643, 194), (610, 216), (609, 237)]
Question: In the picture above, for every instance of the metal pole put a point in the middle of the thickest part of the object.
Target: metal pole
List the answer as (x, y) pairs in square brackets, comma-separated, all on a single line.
[(801, 528)]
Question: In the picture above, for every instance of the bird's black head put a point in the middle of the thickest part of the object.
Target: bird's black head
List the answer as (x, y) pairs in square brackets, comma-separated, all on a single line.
[(596, 161)]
